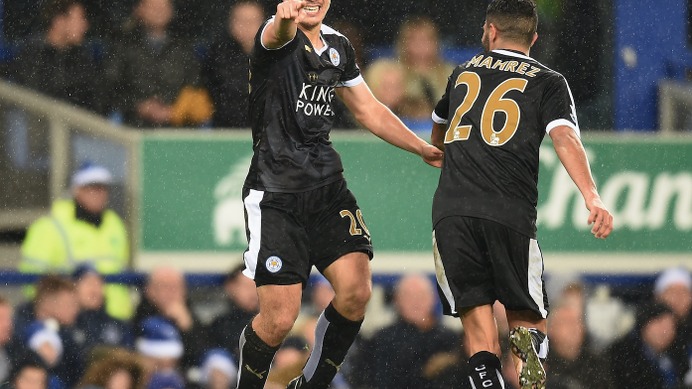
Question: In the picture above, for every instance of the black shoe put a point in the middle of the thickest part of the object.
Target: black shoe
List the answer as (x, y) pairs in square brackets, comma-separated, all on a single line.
[(296, 383)]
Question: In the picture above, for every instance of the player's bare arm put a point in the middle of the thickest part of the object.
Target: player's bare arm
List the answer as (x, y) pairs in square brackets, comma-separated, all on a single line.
[(437, 138), (571, 152), (285, 25), (380, 120)]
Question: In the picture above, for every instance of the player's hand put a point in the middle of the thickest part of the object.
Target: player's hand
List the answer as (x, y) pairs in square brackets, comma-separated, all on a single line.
[(600, 218), (290, 10), (432, 155)]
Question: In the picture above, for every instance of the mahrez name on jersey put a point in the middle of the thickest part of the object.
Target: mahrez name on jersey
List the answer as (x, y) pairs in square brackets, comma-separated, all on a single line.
[(506, 66)]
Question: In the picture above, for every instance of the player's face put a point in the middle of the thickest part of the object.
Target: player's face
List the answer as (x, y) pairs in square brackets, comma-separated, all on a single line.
[(314, 11)]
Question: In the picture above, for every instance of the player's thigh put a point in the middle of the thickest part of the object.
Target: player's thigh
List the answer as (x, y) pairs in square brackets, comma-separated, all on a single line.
[(338, 228), (279, 306), (277, 251), (350, 274), (518, 265), (464, 272)]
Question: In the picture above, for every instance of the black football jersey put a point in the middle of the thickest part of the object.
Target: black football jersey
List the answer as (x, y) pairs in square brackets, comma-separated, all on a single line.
[(498, 107), (292, 89)]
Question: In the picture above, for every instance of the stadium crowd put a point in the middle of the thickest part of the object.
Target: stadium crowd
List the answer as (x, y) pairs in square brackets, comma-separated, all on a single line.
[(168, 63), (64, 338)]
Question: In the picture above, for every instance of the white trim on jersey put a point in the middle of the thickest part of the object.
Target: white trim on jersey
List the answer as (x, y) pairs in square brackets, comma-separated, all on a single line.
[(254, 225), (441, 276), (535, 279), (329, 30), (271, 20), (562, 122), (438, 119), (512, 54), (351, 83)]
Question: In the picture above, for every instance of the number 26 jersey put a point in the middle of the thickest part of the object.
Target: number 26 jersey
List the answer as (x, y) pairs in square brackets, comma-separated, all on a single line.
[(497, 108)]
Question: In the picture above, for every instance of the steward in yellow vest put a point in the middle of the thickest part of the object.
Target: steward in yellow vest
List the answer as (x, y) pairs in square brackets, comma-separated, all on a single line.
[(82, 230)]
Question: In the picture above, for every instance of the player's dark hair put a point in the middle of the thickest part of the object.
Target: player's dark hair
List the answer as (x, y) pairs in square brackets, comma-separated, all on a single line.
[(516, 20)]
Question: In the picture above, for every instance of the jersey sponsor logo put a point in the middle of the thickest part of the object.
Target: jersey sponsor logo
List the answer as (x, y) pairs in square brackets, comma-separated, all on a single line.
[(315, 100), (273, 264), (334, 57)]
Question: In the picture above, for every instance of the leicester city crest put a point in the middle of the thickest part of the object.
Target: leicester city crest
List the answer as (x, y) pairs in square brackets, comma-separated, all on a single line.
[(273, 264), (334, 56)]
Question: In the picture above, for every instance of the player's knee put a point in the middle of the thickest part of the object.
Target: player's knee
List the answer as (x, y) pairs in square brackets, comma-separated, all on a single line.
[(357, 298)]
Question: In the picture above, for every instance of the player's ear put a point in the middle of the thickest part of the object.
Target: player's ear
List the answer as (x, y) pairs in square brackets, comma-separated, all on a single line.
[(535, 37)]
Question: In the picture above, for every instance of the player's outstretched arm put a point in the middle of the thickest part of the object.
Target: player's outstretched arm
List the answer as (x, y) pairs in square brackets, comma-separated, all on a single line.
[(571, 152), (380, 120), (283, 29)]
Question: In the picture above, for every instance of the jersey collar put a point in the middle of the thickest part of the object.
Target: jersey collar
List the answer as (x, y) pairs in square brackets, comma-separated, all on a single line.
[(511, 53)]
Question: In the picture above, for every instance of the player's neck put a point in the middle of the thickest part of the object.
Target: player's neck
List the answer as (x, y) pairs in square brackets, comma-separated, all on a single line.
[(507, 45), (314, 35)]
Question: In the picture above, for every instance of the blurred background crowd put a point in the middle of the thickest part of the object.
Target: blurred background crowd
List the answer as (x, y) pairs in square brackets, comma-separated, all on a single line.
[(174, 63), (163, 63)]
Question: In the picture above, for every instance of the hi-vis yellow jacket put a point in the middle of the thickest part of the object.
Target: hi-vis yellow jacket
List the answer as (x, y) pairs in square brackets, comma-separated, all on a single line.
[(59, 242)]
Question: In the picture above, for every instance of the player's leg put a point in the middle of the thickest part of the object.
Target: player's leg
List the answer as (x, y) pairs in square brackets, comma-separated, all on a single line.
[(480, 331), (529, 346), (466, 289), (277, 259), (338, 325), (341, 250), (526, 303), (279, 306)]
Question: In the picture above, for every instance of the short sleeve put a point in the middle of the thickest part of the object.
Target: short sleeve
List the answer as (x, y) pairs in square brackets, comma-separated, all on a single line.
[(351, 75), (440, 114), (558, 107)]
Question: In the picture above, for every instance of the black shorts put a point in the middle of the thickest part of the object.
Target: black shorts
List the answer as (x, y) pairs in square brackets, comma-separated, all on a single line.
[(288, 233), (478, 261)]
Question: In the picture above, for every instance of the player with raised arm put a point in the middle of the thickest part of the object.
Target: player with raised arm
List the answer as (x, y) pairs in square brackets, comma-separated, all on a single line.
[(491, 121), (299, 211)]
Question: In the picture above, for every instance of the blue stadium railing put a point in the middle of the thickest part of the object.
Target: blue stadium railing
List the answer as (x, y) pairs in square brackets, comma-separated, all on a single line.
[(11, 277)]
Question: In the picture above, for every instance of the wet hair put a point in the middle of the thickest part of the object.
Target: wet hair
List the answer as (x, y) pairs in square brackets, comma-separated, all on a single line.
[(516, 20)]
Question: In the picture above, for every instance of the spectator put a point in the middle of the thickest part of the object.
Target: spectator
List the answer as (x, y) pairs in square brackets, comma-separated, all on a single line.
[(387, 79), (571, 364), (29, 372), (165, 295), (167, 380), (117, 369), (93, 323), (218, 370), (43, 339), (57, 63), (227, 66), (415, 338), (80, 230), (160, 345), (6, 332), (55, 303), (321, 294), (288, 361), (642, 359), (418, 50), (241, 306), (154, 76), (673, 288)]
